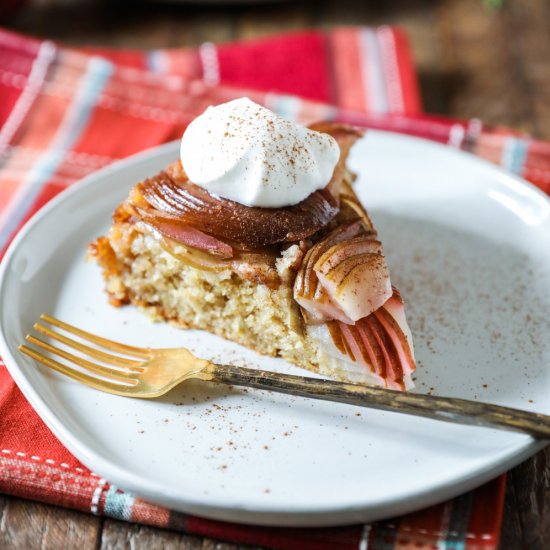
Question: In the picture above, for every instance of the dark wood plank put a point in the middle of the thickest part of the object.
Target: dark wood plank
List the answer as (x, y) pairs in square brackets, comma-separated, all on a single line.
[(211, 544), (263, 20), (511, 536), (3, 501), (527, 26), (30, 525), (531, 484), (496, 62), (118, 535), (476, 55), (126, 24)]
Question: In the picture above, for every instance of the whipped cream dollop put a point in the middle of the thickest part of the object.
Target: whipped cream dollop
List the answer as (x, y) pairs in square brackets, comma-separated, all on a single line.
[(244, 152)]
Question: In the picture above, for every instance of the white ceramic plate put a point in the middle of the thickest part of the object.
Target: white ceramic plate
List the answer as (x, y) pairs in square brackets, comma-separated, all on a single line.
[(468, 247)]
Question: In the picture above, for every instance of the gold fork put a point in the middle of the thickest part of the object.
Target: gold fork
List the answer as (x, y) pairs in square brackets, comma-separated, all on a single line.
[(147, 373)]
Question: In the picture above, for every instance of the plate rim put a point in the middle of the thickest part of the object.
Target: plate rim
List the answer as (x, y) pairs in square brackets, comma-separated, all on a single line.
[(268, 514)]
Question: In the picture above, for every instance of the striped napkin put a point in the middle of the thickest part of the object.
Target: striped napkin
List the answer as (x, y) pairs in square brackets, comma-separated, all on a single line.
[(65, 113)]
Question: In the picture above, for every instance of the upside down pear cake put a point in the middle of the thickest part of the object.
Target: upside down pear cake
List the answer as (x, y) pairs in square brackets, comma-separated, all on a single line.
[(257, 235)]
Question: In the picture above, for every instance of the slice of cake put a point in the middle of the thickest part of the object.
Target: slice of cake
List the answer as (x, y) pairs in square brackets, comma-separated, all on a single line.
[(257, 236)]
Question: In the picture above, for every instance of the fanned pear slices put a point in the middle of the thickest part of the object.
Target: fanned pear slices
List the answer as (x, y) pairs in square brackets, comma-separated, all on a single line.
[(380, 342), (349, 266), (355, 275), (350, 306)]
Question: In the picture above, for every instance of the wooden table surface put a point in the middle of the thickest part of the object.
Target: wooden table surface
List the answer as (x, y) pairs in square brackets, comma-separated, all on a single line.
[(474, 60)]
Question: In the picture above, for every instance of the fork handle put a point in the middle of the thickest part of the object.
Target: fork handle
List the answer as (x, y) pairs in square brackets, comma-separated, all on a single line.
[(447, 409)]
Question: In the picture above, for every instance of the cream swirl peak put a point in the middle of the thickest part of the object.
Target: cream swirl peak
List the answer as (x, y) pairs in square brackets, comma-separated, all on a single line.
[(245, 153)]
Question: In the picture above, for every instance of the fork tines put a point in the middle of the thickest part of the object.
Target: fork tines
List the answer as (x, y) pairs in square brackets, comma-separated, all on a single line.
[(111, 370)]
